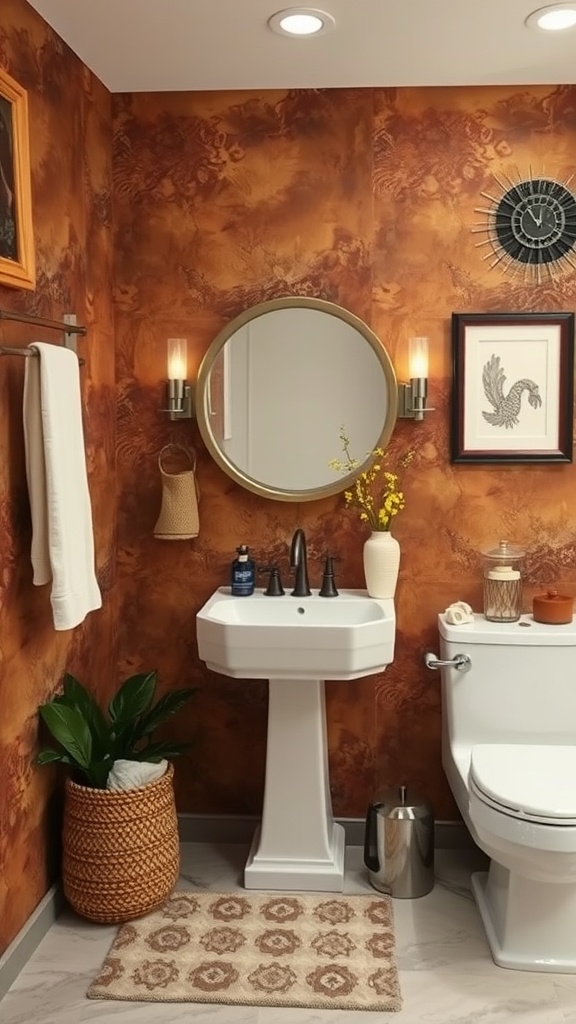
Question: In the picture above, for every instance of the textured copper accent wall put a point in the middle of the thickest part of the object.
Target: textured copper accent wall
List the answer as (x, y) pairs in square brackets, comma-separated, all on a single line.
[(363, 197), (366, 198), (70, 129)]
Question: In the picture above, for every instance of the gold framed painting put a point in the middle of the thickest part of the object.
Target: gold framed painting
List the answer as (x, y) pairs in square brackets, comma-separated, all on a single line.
[(17, 264)]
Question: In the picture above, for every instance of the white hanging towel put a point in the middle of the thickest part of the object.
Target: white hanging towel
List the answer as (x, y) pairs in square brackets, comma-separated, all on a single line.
[(62, 536)]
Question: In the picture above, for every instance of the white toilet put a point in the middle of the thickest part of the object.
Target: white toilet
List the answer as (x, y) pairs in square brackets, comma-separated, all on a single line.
[(509, 752)]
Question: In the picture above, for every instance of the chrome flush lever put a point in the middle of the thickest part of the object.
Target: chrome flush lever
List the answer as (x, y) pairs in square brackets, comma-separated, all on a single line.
[(461, 662)]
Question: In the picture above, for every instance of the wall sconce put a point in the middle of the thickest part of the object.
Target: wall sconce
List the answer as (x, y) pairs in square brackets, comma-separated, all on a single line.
[(412, 396), (178, 390)]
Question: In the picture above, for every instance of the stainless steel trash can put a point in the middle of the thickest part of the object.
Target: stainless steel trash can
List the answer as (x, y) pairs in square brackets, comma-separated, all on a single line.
[(399, 844)]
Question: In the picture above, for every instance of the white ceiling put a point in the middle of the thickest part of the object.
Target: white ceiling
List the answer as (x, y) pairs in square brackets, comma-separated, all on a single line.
[(157, 45)]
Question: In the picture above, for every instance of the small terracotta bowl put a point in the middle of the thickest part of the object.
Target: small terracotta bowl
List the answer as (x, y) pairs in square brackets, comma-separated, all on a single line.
[(554, 608)]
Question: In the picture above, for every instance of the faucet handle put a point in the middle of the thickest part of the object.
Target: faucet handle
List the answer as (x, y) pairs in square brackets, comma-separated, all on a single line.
[(328, 588), (274, 588)]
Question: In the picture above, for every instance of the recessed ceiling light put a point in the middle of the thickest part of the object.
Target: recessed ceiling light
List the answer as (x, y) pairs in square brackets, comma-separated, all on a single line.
[(301, 21), (554, 18)]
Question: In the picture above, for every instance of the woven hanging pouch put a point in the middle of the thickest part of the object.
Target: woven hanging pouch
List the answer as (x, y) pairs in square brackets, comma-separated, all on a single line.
[(178, 519)]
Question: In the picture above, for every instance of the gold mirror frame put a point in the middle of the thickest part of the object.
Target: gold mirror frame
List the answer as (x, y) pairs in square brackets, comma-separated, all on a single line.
[(202, 397)]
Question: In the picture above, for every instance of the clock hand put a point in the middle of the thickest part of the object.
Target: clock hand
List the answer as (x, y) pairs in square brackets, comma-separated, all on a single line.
[(537, 220)]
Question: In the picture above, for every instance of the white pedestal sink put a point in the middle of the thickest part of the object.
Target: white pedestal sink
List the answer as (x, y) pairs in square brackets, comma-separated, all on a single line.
[(295, 643)]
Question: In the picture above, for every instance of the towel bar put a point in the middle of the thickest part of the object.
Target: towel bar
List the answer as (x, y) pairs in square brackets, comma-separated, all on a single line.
[(6, 350), (68, 326)]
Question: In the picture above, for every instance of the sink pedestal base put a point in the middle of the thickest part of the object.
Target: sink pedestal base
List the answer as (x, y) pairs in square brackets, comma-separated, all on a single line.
[(298, 845), (297, 873)]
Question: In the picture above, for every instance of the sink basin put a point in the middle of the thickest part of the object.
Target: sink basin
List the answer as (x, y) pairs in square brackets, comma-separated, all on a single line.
[(296, 643), (260, 637)]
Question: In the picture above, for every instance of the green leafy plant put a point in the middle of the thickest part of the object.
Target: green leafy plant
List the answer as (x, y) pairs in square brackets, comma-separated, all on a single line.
[(90, 740)]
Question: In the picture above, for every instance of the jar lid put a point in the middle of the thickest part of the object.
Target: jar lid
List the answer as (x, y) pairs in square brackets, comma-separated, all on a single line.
[(505, 552), (503, 572), (553, 595)]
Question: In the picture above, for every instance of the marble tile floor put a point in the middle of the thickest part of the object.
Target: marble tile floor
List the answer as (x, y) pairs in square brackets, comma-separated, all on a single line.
[(446, 971)]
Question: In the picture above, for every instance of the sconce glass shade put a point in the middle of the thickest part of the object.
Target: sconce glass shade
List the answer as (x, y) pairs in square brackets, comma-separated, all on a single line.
[(418, 357), (177, 358), (178, 391), (412, 396)]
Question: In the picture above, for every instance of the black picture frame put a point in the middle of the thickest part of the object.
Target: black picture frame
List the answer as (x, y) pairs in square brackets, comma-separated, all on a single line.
[(512, 387)]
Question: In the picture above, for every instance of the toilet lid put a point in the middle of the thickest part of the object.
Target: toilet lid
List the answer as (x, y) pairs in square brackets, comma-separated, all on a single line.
[(538, 781)]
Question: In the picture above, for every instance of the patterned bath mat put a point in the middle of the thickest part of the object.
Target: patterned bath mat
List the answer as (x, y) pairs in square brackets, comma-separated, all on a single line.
[(317, 951)]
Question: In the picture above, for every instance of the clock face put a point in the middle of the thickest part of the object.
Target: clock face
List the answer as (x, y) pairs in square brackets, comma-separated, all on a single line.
[(532, 224)]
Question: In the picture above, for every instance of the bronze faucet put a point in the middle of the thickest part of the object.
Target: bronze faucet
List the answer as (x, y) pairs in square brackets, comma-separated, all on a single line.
[(298, 561)]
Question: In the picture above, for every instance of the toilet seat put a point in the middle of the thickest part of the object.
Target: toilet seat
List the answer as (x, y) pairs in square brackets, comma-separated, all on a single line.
[(532, 783)]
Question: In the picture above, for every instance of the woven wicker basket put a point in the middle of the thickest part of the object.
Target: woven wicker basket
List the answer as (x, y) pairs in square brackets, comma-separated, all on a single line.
[(120, 849)]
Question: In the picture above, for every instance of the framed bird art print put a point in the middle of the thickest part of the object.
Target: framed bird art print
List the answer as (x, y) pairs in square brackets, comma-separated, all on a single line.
[(512, 387)]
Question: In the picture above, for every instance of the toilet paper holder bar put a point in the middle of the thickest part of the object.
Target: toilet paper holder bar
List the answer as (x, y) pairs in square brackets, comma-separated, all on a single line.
[(461, 662)]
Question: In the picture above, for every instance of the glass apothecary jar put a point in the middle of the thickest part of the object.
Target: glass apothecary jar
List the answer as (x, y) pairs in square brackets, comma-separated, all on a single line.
[(503, 583)]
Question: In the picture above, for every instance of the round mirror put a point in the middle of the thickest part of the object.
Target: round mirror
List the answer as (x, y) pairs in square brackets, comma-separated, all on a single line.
[(279, 383)]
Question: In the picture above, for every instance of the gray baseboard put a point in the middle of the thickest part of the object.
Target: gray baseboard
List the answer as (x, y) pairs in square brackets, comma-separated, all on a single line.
[(29, 937), (217, 828)]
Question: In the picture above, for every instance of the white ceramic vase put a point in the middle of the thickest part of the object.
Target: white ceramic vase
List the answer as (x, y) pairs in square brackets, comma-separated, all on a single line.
[(381, 564)]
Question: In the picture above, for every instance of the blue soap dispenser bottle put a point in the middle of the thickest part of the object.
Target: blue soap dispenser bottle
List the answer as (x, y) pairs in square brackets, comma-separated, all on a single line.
[(243, 573)]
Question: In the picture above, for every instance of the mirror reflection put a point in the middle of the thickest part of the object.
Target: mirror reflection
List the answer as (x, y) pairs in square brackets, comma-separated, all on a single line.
[(278, 384)]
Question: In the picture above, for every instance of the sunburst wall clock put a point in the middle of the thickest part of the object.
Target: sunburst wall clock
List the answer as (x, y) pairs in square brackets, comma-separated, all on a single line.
[(530, 227)]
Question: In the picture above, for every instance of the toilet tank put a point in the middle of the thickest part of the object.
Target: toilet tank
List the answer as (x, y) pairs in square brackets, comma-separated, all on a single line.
[(520, 688)]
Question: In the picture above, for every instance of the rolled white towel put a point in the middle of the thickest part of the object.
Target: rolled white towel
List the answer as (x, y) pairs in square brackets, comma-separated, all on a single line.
[(133, 774), (458, 613)]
